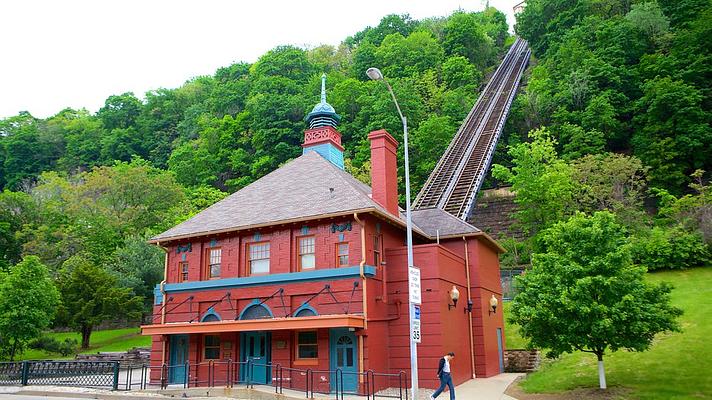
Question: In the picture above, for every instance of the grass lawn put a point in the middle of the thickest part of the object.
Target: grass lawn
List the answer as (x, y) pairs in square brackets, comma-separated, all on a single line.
[(107, 340), (511, 332), (677, 366)]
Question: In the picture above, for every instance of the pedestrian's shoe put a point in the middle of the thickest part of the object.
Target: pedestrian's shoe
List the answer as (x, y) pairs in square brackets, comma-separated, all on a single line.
[(431, 397)]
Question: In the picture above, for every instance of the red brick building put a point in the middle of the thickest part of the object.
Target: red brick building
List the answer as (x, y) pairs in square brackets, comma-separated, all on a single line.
[(307, 268)]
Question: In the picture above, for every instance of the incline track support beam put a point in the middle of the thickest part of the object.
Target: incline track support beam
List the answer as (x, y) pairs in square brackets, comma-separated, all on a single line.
[(458, 176)]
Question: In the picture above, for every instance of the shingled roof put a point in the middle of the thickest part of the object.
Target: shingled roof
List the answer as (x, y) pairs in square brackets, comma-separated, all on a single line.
[(307, 187), (436, 222)]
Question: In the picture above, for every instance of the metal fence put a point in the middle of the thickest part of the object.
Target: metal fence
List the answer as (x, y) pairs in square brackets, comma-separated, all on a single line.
[(370, 384), (509, 287), (92, 374), (111, 375)]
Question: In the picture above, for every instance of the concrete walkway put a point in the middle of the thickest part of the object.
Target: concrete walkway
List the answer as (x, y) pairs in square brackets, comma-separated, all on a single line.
[(475, 389), (484, 388)]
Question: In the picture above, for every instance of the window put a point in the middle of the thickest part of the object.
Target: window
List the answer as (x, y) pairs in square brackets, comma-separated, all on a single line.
[(342, 254), (259, 258), (183, 271), (307, 346), (211, 347), (214, 261), (307, 258), (377, 250)]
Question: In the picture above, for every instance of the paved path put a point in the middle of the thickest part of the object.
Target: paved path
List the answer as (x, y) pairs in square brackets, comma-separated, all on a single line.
[(475, 389), (484, 388)]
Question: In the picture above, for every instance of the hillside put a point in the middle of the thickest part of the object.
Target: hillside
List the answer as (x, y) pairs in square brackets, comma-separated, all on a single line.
[(674, 368)]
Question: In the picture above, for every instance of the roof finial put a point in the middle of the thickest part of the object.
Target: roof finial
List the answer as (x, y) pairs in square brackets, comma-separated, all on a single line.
[(323, 88)]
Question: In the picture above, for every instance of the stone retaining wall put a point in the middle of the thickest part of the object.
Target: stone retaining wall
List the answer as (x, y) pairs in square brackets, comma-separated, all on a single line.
[(519, 360)]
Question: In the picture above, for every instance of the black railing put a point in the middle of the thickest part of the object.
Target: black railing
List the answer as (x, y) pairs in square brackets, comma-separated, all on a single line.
[(93, 374), (101, 374)]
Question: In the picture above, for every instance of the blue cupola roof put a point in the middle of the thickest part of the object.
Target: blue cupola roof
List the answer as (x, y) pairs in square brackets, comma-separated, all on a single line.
[(323, 114)]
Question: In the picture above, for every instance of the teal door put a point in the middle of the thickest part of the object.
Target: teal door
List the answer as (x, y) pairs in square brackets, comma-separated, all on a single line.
[(344, 356), (255, 348), (177, 358)]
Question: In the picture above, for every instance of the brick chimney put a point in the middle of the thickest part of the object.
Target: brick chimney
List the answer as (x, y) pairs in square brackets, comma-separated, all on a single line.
[(384, 170)]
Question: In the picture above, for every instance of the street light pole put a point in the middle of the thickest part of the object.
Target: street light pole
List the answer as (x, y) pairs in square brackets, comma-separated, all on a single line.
[(375, 74)]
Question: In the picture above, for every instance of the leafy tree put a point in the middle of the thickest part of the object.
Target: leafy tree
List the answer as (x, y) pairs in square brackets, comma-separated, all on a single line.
[(543, 182), (674, 136), (28, 302), (577, 142), (139, 267), (428, 143), (457, 71), (285, 61), (28, 149), (693, 211), (90, 296), (583, 293), (611, 182), (405, 56), (649, 18), (388, 25), (120, 111), (466, 38), (669, 248), (16, 210)]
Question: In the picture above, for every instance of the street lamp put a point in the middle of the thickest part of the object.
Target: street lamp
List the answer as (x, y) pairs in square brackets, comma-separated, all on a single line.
[(376, 75)]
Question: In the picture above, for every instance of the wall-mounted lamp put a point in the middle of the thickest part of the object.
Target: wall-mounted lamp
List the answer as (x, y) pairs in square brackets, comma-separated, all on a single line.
[(454, 296), (493, 305), (469, 306)]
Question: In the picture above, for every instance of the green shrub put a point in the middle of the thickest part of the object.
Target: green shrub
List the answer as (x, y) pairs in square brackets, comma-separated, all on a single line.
[(51, 345), (670, 248)]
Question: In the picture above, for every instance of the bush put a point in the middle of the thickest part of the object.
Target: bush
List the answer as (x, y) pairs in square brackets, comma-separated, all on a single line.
[(670, 248), (51, 345)]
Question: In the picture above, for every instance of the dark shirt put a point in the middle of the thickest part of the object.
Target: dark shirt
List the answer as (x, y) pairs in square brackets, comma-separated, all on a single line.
[(441, 366)]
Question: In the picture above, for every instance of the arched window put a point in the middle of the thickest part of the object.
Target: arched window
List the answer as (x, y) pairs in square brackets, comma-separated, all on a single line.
[(256, 311), (305, 312), (210, 316)]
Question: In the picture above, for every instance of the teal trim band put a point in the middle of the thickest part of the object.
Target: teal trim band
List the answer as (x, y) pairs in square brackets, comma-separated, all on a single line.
[(274, 279), (157, 295)]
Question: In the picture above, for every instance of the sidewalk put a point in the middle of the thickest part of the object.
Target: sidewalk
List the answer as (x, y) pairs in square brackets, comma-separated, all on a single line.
[(474, 389), (484, 388)]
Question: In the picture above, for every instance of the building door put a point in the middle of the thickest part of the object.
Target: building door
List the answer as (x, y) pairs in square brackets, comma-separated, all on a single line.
[(255, 348), (500, 350), (177, 358), (343, 355)]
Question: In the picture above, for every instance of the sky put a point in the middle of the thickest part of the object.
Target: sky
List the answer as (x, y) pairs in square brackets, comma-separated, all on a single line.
[(72, 53)]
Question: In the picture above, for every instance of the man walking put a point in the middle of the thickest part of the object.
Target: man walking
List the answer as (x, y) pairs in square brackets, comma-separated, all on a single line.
[(445, 378)]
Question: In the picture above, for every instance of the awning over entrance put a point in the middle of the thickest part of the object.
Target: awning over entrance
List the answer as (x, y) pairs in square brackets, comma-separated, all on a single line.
[(267, 324)]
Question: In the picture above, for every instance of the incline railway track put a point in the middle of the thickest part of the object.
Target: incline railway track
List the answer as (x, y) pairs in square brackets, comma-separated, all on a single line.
[(458, 175)]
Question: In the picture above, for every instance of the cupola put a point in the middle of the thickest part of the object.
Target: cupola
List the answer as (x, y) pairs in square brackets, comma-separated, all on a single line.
[(322, 136)]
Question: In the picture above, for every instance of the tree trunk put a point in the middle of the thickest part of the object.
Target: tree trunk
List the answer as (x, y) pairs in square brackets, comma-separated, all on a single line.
[(13, 350), (601, 372), (86, 334)]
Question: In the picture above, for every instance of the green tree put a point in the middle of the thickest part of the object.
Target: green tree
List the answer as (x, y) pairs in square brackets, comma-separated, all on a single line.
[(611, 182), (401, 57), (543, 182), (16, 210), (649, 18), (465, 37), (28, 302), (139, 267), (90, 296), (674, 136), (583, 293), (120, 111), (457, 71)]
